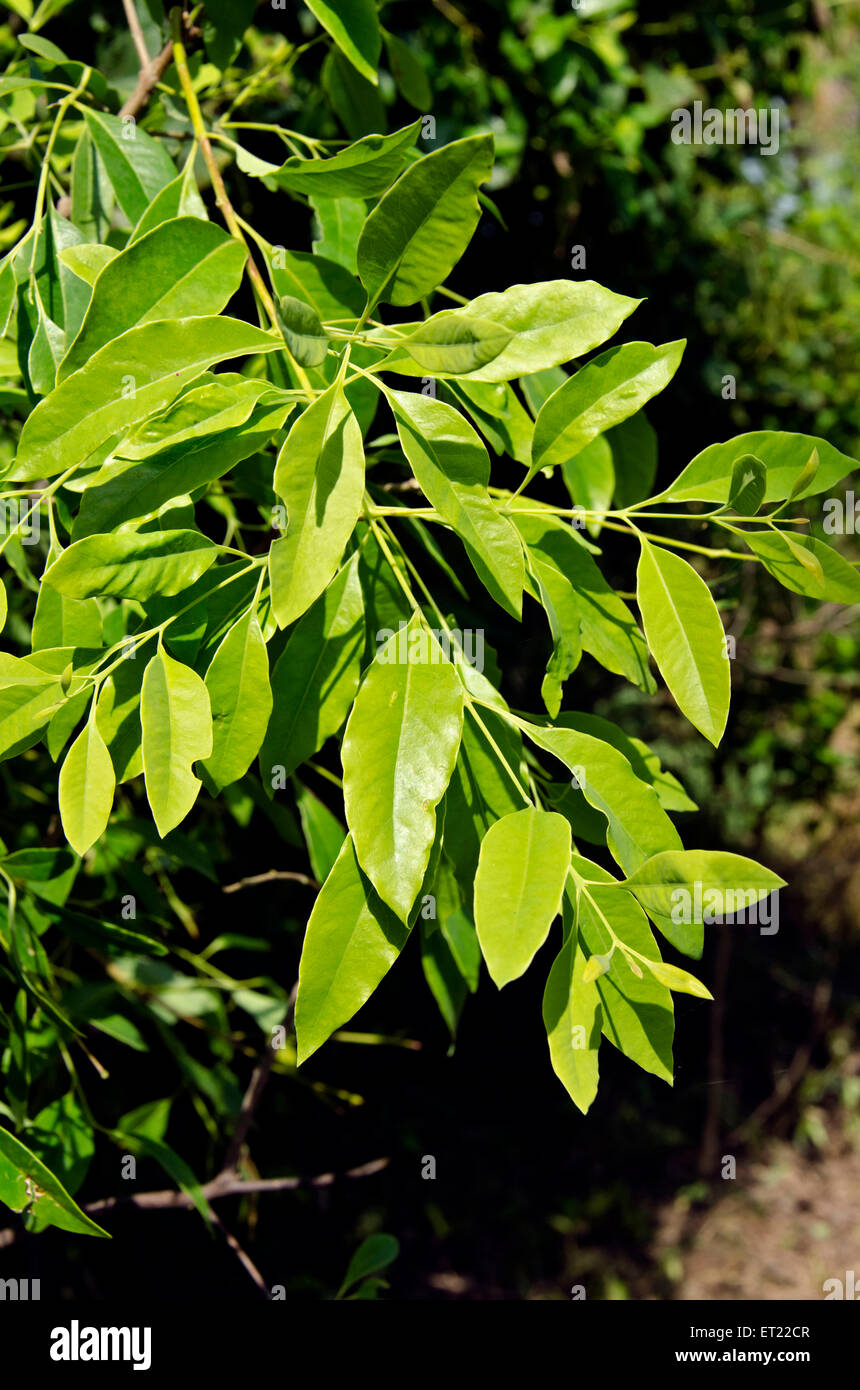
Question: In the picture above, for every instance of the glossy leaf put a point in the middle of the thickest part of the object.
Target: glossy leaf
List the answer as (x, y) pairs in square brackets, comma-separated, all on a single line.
[(302, 330), (316, 677), (521, 875), (176, 720), (362, 170), (241, 701), (399, 751), (354, 26), (351, 941), (420, 228), (126, 381), (137, 166), (806, 565), (685, 634), (182, 267), (708, 477), (131, 564), (27, 1185), (87, 783), (320, 475), (700, 882)]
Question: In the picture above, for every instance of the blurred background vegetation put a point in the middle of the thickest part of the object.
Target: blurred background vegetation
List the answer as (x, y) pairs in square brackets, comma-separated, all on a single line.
[(754, 259)]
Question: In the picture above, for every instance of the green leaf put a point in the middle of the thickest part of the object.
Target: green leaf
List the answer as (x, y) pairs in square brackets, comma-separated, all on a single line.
[(127, 380), (354, 26), (129, 564), (87, 262), (590, 479), (788, 558), (323, 832), (521, 875), (137, 166), (608, 628), (685, 634), (363, 170), (351, 941), (496, 410), (241, 701), (64, 622), (176, 720), (374, 1254), (708, 477), (315, 679), (448, 345), (408, 72), (552, 322), (637, 1014), (680, 980), (572, 1018), (338, 226), (453, 469), (207, 432), (747, 487), (604, 392), (634, 458), (179, 198), (182, 267), (418, 231), (638, 827), (320, 475), (27, 1185), (326, 286), (399, 751), (700, 885), (87, 783), (302, 330)]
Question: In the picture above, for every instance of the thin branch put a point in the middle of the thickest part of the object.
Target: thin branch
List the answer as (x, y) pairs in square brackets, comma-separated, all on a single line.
[(146, 80), (136, 33), (242, 1256), (268, 877), (225, 1185)]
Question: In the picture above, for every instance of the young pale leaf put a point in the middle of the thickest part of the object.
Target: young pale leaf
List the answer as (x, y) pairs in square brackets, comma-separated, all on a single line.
[(685, 634), (604, 392), (708, 477), (418, 231), (131, 564), (241, 700), (572, 1018), (352, 940), (680, 980), (127, 380), (183, 267), (363, 170), (302, 330), (747, 487), (27, 1185), (521, 875), (806, 565), (453, 468), (137, 166), (320, 475), (316, 677), (176, 720), (399, 751), (354, 26), (699, 885), (87, 783)]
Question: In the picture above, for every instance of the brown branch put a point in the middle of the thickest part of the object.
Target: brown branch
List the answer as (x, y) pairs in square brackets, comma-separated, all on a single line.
[(268, 877), (136, 33), (242, 1256), (225, 1185), (146, 80)]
